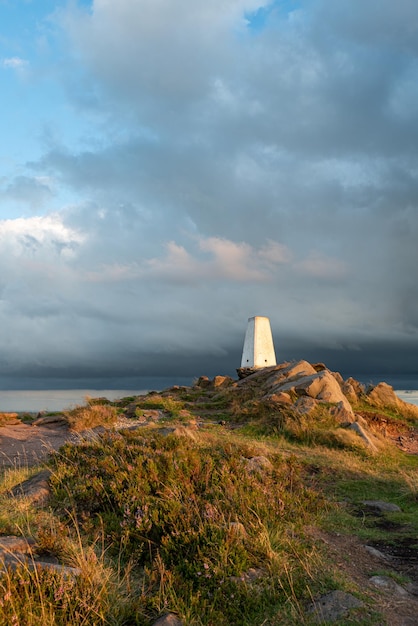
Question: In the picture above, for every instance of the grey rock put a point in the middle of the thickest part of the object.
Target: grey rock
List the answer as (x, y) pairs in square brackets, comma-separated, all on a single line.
[(321, 386), (35, 489), (376, 553), (170, 619), (177, 431), (15, 560), (51, 421), (258, 464), (10, 543), (340, 413), (366, 438), (237, 529), (388, 584), (222, 381), (305, 405), (412, 588), (279, 398), (334, 605), (349, 392), (382, 507), (203, 382), (250, 576)]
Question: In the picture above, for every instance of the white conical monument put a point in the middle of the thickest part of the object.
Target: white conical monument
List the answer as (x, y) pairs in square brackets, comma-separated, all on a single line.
[(258, 344)]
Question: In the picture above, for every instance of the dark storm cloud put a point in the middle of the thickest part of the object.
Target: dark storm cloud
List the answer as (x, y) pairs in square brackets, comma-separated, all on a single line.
[(239, 171)]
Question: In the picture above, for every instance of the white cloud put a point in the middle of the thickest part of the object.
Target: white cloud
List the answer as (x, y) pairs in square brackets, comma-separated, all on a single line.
[(15, 63), (39, 236)]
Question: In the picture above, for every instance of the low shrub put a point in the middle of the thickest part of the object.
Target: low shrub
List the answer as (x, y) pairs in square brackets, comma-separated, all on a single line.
[(84, 417)]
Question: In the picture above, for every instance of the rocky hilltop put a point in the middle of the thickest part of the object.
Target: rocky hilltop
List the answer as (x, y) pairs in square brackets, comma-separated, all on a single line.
[(305, 393)]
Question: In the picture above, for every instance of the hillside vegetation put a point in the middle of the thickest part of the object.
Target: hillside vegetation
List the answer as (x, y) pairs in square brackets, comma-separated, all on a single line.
[(261, 501)]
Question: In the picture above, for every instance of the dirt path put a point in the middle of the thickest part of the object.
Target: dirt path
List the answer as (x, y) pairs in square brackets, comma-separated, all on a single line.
[(357, 564), (25, 445)]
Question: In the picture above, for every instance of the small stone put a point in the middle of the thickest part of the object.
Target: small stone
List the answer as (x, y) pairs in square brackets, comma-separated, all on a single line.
[(258, 464), (382, 507), (177, 431), (333, 606), (250, 576), (376, 553), (387, 583), (237, 529), (170, 619)]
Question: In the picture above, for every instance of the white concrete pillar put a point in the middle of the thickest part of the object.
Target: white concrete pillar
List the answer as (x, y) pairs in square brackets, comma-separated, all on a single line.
[(258, 344)]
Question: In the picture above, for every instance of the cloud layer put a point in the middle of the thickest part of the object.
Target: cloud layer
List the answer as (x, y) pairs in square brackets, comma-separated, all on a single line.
[(243, 158)]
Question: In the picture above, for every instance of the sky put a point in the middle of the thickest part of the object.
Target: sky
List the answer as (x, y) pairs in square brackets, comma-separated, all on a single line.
[(170, 168)]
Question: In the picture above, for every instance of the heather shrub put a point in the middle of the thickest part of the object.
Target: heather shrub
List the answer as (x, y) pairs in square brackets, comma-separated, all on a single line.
[(194, 517), (84, 417)]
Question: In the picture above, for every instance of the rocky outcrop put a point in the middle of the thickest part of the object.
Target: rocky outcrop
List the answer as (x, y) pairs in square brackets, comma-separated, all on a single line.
[(383, 395), (301, 379)]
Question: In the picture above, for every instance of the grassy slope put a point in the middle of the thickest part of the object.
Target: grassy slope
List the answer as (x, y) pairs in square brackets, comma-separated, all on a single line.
[(186, 522)]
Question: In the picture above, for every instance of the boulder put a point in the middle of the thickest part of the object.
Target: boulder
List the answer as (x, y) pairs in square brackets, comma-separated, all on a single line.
[(202, 382), (291, 371), (9, 418), (222, 381), (383, 395), (321, 386)]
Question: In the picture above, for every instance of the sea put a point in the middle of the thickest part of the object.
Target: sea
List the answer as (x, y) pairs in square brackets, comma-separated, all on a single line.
[(60, 399), (35, 401)]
